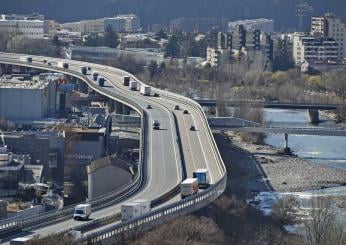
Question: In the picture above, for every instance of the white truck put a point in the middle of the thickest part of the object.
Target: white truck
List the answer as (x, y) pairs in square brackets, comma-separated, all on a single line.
[(62, 64), (202, 175), (82, 211), (145, 90), (133, 85), (134, 209), (25, 59), (188, 187)]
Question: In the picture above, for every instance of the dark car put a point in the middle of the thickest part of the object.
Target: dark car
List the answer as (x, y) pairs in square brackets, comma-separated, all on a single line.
[(192, 128), (176, 107), (156, 95), (149, 107), (186, 112), (156, 124)]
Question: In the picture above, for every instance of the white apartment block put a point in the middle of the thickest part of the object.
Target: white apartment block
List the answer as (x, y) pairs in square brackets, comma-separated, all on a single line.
[(312, 48), (331, 26), (217, 57), (30, 26), (264, 25)]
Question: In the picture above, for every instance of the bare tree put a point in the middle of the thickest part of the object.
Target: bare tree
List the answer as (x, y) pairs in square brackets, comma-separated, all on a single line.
[(286, 209), (323, 228)]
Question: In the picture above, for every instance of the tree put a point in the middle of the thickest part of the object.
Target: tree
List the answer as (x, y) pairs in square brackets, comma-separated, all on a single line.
[(194, 49), (161, 34), (323, 228), (172, 48), (282, 61), (152, 68), (111, 38), (94, 40)]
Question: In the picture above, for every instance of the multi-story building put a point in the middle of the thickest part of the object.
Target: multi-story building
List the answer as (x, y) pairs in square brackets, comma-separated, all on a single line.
[(217, 56), (333, 27), (32, 26), (264, 25), (253, 40), (307, 48), (119, 23), (15, 94), (238, 37), (198, 25)]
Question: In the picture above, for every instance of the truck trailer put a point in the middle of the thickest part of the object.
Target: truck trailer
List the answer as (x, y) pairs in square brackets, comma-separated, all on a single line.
[(133, 85), (188, 187), (202, 175), (126, 81), (82, 211), (134, 209), (145, 90)]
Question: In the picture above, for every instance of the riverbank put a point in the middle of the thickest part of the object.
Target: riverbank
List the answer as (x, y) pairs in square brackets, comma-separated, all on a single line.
[(284, 173)]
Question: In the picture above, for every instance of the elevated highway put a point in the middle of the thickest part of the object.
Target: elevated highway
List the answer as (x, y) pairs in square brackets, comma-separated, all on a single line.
[(167, 155)]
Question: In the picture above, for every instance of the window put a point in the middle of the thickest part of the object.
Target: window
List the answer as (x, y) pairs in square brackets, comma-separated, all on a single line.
[(53, 160)]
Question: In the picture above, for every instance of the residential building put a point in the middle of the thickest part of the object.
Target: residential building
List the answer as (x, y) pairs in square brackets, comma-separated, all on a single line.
[(217, 56), (31, 26), (238, 37), (264, 25), (198, 25), (333, 27), (307, 48)]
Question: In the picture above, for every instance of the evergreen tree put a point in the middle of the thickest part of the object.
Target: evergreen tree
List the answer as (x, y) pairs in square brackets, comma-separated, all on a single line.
[(111, 38), (172, 48)]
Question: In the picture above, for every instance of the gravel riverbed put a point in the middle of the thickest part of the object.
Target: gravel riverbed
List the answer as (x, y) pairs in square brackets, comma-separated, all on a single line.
[(290, 173)]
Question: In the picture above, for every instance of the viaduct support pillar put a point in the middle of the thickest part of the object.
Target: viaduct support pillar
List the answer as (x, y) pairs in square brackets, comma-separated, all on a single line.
[(314, 116)]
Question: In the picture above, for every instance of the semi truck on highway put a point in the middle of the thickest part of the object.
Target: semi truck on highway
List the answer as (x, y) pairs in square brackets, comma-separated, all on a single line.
[(145, 90), (82, 212), (63, 65), (202, 175), (126, 81), (134, 209), (133, 85), (188, 187), (95, 75)]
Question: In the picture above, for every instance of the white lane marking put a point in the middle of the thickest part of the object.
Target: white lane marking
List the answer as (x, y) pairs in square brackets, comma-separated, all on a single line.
[(189, 142)]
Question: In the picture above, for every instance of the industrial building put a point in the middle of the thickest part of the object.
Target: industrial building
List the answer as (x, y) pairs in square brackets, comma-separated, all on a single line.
[(26, 99), (119, 23), (31, 26), (198, 25), (264, 25)]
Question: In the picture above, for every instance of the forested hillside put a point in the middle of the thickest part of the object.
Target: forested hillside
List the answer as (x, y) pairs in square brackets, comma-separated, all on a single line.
[(162, 11)]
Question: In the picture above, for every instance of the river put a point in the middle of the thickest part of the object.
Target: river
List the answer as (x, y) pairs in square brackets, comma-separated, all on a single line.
[(325, 150)]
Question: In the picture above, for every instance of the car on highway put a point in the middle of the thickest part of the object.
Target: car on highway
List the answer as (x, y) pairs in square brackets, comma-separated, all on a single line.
[(186, 112), (156, 124), (193, 128), (176, 107), (149, 107), (156, 95)]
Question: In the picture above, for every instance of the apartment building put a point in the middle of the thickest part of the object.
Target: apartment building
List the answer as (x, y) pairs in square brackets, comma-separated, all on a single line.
[(307, 48), (32, 26), (333, 27), (198, 25)]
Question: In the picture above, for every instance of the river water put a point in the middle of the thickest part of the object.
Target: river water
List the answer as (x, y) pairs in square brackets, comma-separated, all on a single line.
[(324, 150)]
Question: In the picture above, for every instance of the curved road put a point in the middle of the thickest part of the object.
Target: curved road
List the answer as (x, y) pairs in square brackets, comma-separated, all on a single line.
[(163, 165)]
